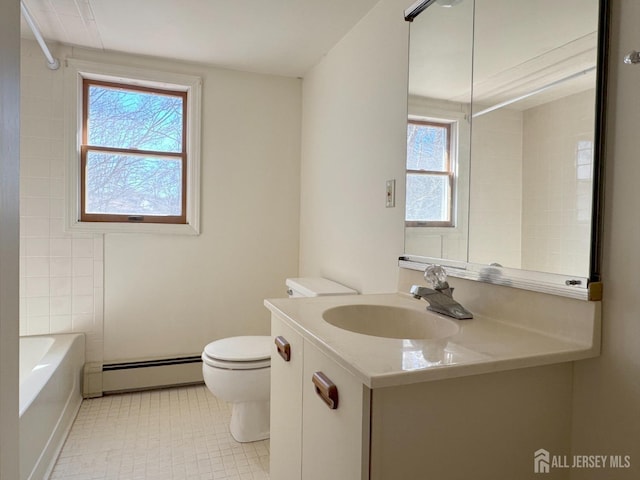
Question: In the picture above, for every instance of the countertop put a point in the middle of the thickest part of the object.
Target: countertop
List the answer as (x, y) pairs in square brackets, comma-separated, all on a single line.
[(482, 344)]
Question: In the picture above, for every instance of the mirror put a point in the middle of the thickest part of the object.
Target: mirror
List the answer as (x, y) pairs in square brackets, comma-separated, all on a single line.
[(504, 134), (440, 81)]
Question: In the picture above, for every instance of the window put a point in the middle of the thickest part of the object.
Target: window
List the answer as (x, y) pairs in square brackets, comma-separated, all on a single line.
[(430, 175), (133, 154), (133, 149)]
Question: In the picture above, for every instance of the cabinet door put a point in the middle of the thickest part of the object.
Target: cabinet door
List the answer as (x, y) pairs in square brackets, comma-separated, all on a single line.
[(286, 402), (335, 442)]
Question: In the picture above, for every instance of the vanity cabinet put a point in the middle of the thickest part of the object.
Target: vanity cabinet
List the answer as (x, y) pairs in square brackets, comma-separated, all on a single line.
[(479, 426), (286, 402), (315, 436)]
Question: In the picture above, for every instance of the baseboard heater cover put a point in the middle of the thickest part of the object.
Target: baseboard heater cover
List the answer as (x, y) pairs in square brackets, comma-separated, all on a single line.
[(107, 367), (150, 374)]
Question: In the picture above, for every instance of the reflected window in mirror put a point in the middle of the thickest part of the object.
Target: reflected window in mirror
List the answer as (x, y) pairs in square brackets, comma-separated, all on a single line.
[(430, 174)]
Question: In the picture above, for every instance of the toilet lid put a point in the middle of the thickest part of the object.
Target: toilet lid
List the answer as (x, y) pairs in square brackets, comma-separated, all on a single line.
[(240, 349)]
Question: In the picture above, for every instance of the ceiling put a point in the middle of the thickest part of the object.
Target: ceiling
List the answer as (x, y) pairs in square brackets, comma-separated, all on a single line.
[(282, 37)]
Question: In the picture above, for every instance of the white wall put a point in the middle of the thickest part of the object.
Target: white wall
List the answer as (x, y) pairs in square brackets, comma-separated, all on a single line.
[(606, 416), (171, 295), (353, 140), (149, 296), (9, 235)]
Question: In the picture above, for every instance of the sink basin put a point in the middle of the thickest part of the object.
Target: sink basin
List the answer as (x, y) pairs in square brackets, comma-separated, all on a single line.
[(390, 322)]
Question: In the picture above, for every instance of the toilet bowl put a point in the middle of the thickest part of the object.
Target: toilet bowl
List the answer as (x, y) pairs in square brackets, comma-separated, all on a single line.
[(237, 370)]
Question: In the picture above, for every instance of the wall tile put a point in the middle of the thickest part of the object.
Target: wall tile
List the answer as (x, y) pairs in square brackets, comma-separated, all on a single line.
[(82, 267), (60, 305), (60, 247), (35, 207), (56, 188), (37, 247), (82, 285), (60, 323), (98, 273), (82, 322), (59, 291), (60, 267), (82, 247), (82, 305), (555, 170), (34, 227), (37, 306), (59, 286), (37, 267), (38, 325), (37, 287)]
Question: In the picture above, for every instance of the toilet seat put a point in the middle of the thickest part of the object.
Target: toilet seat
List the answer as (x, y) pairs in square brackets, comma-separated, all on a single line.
[(212, 362), (239, 353)]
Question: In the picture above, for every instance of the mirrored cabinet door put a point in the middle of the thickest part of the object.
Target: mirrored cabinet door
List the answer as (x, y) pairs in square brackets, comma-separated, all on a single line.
[(533, 118), (503, 139), (438, 133)]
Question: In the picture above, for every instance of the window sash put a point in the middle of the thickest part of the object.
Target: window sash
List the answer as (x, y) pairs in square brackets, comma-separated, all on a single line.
[(85, 148), (435, 223), (104, 217), (444, 126)]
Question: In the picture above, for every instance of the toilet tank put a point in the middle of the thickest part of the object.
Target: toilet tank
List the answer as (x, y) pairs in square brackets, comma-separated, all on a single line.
[(315, 287)]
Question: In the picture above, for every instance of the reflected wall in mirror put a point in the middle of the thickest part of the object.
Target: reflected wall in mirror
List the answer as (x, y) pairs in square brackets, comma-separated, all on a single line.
[(527, 168)]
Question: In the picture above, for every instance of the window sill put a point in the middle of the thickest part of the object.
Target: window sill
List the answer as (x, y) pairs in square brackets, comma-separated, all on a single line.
[(148, 228)]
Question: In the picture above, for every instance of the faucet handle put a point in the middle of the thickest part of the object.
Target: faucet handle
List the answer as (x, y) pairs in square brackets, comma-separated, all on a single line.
[(436, 276)]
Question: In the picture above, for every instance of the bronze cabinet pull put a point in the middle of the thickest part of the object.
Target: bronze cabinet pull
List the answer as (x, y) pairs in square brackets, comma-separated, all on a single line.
[(326, 389), (284, 348)]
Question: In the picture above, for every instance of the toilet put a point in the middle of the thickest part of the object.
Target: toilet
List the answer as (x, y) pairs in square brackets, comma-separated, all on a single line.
[(237, 369)]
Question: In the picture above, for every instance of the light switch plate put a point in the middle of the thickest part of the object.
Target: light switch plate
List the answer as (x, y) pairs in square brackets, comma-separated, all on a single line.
[(391, 193)]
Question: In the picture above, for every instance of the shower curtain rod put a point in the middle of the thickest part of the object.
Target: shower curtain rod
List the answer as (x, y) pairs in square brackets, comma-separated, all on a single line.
[(52, 63), (535, 92)]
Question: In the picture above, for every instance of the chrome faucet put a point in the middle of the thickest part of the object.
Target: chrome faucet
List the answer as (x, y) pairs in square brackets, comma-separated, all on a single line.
[(440, 297)]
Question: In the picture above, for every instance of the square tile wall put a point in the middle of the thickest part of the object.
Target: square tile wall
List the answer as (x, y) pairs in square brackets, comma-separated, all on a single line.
[(61, 274), (557, 182)]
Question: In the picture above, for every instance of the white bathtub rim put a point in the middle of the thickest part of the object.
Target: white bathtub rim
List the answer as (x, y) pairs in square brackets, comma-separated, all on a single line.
[(43, 371), (30, 358)]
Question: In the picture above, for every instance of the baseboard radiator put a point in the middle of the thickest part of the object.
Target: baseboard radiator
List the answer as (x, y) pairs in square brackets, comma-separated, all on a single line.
[(121, 377)]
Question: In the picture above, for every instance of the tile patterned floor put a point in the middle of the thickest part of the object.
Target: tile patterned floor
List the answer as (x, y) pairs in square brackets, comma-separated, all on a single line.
[(173, 434)]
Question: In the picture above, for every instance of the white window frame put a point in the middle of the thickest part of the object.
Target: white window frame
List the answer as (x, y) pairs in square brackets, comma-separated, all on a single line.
[(75, 72), (447, 242), (419, 110)]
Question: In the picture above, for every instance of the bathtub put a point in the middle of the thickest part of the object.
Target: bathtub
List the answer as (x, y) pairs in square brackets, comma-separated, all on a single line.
[(50, 396)]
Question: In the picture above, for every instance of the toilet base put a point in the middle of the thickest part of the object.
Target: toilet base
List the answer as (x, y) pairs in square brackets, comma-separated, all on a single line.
[(250, 421)]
